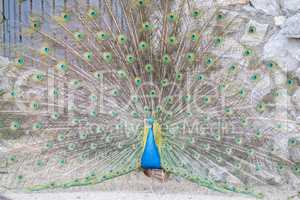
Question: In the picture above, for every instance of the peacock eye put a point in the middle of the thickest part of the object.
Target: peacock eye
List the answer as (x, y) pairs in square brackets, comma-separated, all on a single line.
[(172, 17), (36, 25), (247, 52), (290, 82), (107, 57), (261, 107), (38, 77), (55, 115), (147, 26), (135, 99), (39, 163), (138, 81), (270, 65), (258, 134), (146, 109), (190, 57), (122, 39), (195, 37), (255, 77), (199, 77), (37, 126), (55, 92), (141, 2), (152, 93), (169, 99), (130, 59), (232, 67), (209, 61), (79, 36), (20, 61), (102, 36), (196, 13), (172, 40), (92, 13), (88, 56), (13, 93), (122, 74), (149, 68), (62, 67), (166, 59), (292, 141), (164, 82), (66, 17), (220, 16), (252, 29), (178, 76), (15, 125), (143, 45), (218, 41), (98, 75)]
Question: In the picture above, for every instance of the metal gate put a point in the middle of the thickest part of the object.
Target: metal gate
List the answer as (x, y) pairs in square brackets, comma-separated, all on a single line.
[(14, 13)]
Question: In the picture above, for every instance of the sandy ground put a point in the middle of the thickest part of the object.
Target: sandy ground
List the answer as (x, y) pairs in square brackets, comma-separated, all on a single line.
[(117, 196), (136, 186)]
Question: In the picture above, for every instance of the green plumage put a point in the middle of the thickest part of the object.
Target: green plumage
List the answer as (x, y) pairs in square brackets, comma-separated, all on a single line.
[(73, 114)]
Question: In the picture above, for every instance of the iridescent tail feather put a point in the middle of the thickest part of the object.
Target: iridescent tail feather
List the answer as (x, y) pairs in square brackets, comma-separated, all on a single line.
[(79, 91)]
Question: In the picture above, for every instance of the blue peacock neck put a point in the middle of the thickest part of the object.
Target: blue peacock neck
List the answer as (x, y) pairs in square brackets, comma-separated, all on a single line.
[(150, 157)]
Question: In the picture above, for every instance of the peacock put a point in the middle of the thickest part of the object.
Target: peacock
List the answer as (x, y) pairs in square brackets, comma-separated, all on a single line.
[(156, 86)]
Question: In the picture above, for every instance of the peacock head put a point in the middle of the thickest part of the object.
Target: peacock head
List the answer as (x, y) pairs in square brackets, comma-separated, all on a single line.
[(149, 121)]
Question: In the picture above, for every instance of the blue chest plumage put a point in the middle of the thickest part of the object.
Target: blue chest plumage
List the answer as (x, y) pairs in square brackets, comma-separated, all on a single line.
[(150, 158)]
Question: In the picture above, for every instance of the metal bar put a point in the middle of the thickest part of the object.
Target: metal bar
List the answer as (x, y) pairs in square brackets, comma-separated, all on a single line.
[(20, 22), (8, 27), (65, 5), (43, 7), (30, 6), (15, 21), (53, 7), (4, 22)]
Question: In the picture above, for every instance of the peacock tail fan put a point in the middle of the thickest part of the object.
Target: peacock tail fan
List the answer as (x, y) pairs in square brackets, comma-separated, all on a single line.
[(83, 82)]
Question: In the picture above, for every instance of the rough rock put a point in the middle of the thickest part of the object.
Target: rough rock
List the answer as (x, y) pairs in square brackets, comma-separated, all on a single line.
[(291, 27), (4, 62), (290, 7), (279, 20), (296, 98), (232, 2), (283, 50), (270, 7)]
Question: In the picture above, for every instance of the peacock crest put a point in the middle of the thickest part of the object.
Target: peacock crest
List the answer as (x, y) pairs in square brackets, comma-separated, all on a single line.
[(95, 93)]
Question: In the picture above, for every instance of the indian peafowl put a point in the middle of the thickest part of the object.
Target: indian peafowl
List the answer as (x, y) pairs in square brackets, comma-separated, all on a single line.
[(92, 95)]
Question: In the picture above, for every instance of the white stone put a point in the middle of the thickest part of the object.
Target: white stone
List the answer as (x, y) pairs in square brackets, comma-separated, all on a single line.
[(291, 27), (284, 51), (231, 2), (270, 7), (290, 6), (257, 37), (279, 20), (296, 98), (4, 62)]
